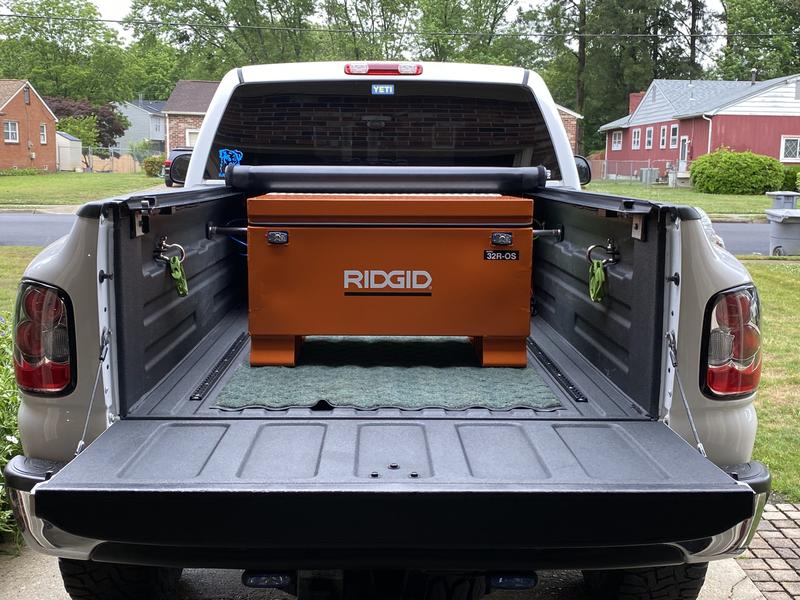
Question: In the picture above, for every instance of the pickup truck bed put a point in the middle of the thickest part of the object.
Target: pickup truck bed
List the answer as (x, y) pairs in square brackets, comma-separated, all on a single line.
[(192, 388)]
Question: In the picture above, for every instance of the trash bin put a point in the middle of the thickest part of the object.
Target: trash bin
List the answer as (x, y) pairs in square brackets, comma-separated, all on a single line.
[(784, 231), (784, 199)]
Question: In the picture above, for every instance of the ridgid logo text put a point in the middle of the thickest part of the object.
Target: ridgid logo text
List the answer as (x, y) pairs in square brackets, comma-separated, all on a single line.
[(373, 282)]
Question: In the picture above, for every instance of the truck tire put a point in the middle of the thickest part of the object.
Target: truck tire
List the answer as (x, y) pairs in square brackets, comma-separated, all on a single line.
[(86, 580), (680, 582), (455, 588)]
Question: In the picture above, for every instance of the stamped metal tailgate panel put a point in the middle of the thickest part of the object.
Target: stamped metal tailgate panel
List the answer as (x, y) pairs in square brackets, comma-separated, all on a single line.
[(319, 483)]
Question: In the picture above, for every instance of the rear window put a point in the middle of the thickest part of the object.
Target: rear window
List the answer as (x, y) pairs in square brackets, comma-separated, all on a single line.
[(399, 122)]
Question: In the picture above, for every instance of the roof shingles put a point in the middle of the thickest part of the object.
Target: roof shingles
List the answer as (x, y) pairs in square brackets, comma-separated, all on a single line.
[(688, 98), (9, 88), (191, 96)]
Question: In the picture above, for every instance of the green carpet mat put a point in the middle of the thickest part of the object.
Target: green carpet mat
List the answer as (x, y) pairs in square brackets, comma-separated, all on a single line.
[(370, 373)]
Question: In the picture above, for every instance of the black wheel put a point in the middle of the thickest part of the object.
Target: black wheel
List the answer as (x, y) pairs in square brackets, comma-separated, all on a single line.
[(86, 580), (168, 182), (778, 251), (681, 582)]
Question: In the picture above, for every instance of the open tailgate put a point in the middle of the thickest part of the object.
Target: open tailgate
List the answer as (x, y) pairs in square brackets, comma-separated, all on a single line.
[(405, 483)]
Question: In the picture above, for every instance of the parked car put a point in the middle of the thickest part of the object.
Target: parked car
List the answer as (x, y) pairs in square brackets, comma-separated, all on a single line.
[(402, 195), (168, 163)]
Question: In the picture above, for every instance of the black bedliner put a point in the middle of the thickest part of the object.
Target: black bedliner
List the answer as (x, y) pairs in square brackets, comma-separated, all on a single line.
[(327, 483)]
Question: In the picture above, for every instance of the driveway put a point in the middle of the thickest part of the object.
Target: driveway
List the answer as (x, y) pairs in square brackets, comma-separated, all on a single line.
[(32, 576)]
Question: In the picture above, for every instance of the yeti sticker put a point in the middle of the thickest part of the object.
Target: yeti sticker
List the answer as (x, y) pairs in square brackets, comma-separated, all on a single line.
[(229, 157)]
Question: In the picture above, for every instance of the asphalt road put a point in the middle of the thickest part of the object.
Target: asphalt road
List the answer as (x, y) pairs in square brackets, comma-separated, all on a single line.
[(27, 229), (744, 238)]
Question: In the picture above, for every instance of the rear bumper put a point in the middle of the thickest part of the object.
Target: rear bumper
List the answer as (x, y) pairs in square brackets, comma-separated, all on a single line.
[(603, 531)]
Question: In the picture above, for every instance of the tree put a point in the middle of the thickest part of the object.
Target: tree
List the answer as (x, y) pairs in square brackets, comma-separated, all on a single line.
[(81, 59), (267, 31), (110, 124), (85, 129), (747, 47)]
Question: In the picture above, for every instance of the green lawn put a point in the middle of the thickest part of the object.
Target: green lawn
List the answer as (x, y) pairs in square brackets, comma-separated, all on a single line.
[(69, 188), (13, 260), (778, 405), (713, 204)]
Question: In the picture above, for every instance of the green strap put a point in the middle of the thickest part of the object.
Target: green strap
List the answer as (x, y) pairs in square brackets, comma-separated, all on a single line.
[(179, 275), (597, 281)]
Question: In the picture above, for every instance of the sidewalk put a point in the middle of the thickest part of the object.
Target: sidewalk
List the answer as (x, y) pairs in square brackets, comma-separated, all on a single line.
[(773, 560), (42, 209)]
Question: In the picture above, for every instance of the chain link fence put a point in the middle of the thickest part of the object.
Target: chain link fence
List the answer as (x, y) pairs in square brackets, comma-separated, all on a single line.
[(102, 160), (647, 172)]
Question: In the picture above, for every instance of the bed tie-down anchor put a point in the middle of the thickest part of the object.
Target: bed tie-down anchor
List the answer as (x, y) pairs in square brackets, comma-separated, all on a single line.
[(174, 264), (597, 268)]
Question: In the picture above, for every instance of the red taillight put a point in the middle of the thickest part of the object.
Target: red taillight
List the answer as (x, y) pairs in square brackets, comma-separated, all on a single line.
[(733, 345), (42, 346), (383, 68), (167, 163), (42, 304)]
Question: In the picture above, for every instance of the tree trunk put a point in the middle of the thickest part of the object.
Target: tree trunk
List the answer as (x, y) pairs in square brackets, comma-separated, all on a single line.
[(696, 7), (580, 83)]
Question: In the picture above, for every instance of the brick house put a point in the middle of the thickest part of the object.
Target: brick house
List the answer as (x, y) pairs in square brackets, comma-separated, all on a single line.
[(189, 101), (570, 120), (29, 128), (185, 109), (676, 121)]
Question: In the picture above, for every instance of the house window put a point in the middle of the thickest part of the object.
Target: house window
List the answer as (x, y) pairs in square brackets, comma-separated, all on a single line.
[(673, 136), (662, 140), (790, 148), (43, 134), (26, 94), (157, 125), (191, 137), (11, 132), (636, 139), (616, 140), (648, 138)]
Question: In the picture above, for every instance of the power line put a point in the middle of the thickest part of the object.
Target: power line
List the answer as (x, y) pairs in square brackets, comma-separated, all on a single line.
[(284, 29)]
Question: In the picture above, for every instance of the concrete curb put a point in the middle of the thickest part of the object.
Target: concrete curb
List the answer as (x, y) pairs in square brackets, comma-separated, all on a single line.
[(738, 218), (726, 580), (56, 209)]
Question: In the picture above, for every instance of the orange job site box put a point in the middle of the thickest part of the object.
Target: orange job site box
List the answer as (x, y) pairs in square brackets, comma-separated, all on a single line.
[(389, 265)]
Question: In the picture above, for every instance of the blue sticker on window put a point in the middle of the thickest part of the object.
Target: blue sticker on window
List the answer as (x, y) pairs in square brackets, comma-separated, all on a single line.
[(228, 157), (383, 89)]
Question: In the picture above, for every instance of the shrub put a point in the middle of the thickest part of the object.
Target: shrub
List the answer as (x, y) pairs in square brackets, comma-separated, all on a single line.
[(727, 172), (791, 175), (9, 434), (153, 164), (18, 172)]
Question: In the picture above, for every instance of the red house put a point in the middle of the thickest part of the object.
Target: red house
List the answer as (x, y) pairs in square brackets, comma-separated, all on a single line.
[(675, 121), (29, 128)]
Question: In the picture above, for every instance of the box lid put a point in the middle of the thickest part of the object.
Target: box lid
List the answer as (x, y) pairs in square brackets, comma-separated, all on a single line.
[(393, 209)]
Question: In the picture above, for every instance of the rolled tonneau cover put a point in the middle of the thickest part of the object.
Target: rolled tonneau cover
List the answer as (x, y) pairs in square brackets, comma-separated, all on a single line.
[(410, 180)]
